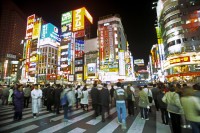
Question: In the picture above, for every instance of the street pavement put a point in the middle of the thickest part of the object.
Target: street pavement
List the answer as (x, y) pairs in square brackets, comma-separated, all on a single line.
[(80, 121)]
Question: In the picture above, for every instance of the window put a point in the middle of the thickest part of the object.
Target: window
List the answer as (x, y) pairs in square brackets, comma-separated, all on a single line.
[(178, 41), (184, 39)]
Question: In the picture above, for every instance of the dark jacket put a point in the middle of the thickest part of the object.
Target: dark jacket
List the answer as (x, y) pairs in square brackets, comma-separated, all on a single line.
[(159, 99), (104, 95), (18, 100), (155, 92), (95, 95)]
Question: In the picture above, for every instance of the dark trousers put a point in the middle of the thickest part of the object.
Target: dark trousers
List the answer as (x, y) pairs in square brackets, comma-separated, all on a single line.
[(164, 115), (176, 122), (156, 104), (130, 107), (57, 108), (144, 112), (26, 102), (49, 104), (104, 109), (18, 115), (96, 109), (77, 102), (4, 100)]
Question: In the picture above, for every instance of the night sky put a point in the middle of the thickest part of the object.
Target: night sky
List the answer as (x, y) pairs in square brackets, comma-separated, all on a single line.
[(138, 19)]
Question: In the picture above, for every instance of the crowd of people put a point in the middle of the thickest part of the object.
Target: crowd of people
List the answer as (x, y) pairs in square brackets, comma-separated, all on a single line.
[(179, 105)]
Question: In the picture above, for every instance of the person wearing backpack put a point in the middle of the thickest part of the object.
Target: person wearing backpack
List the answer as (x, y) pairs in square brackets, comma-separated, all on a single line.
[(27, 94), (120, 95)]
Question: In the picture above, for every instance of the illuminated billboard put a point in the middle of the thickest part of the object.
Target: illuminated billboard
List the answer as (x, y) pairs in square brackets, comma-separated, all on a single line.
[(50, 31), (139, 62), (66, 18), (79, 20), (29, 27), (121, 63), (37, 28), (91, 69), (79, 48)]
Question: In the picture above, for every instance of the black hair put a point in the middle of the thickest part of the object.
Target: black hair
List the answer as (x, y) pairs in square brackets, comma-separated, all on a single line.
[(119, 84)]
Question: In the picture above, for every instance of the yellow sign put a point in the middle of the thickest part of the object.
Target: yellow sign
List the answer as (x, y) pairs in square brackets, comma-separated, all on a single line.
[(78, 19), (88, 16), (36, 29)]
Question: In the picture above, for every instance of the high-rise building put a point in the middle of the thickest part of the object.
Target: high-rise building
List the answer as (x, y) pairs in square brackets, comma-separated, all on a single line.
[(12, 32), (113, 49), (179, 23), (75, 27)]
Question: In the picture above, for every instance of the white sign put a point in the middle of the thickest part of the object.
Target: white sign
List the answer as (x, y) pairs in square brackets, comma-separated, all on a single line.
[(121, 63)]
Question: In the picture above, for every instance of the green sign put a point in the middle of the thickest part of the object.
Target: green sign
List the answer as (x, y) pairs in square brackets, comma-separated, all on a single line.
[(66, 18)]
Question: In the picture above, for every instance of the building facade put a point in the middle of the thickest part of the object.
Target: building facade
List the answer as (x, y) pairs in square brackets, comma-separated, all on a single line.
[(179, 22), (12, 32), (113, 48)]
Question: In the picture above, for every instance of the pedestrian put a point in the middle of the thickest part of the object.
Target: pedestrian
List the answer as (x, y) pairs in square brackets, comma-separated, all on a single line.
[(67, 107), (84, 99), (155, 91), (130, 100), (5, 95), (95, 96), (174, 107), (10, 97), (77, 95), (162, 105), (36, 95), (58, 91), (50, 97), (120, 97), (105, 100), (191, 107), (143, 103), (150, 96), (18, 102), (112, 96), (27, 94)]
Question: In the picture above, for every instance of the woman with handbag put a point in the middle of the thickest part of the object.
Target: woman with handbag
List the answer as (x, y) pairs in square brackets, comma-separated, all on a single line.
[(174, 107)]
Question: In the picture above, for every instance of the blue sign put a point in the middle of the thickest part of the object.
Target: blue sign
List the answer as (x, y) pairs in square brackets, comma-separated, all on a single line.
[(50, 31)]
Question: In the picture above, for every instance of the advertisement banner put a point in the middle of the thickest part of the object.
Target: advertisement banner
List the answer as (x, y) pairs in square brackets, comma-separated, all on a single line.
[(91, 69), (29, 27), (50, 31), (36, 29), (28, 54), (139, 62), (180, 60), (121, 63), (66, 18), (78, 19)]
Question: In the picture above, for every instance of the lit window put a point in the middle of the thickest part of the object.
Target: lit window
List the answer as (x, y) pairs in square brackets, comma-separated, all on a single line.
[(188, 21)]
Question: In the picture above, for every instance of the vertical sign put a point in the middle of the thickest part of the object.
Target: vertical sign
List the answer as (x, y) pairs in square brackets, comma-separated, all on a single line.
[(121, 63), (29, 28), (78, 19), (36, 28), (28, 54)]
